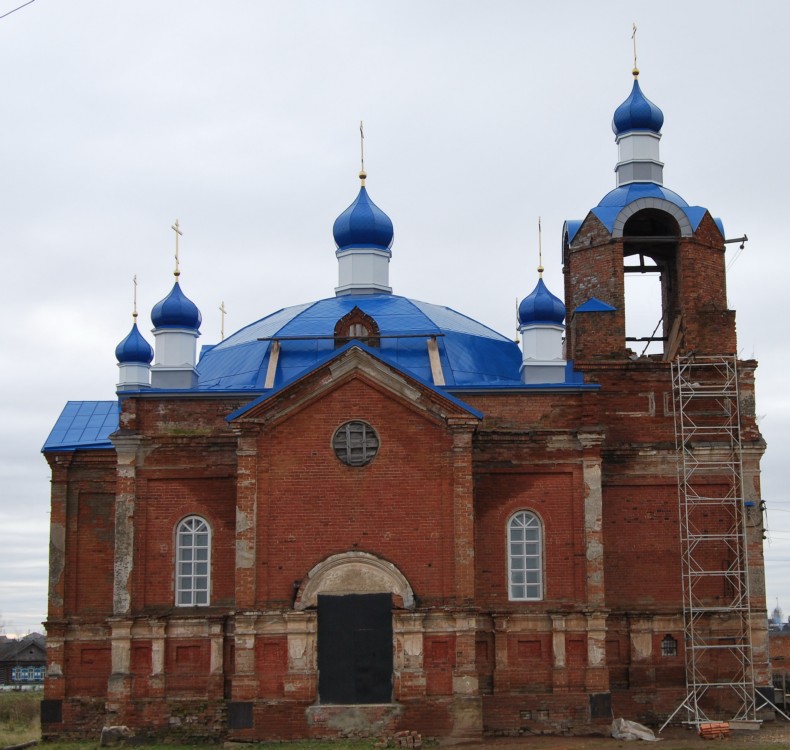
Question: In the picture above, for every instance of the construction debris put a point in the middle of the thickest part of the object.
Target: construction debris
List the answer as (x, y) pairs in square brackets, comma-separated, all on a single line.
[(401, 739), (714, 730)]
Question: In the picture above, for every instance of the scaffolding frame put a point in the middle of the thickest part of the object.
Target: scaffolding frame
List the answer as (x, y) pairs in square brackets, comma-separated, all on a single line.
[(713, 541)]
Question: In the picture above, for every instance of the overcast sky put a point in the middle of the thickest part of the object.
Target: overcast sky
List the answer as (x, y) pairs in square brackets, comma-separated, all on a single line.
[(241, 119)]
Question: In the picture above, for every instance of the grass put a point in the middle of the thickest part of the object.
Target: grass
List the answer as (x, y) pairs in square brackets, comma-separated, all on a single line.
[(19, 718), (19, 723)]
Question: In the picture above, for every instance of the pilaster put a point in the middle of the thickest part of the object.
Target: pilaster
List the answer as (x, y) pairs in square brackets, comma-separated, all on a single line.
[(300, 679), (245, 680), (408, 629), (59, 463), (463, 509), (593, 516), (246, 516), (559, 674), (126, 449), (119, 686), (597, 678)]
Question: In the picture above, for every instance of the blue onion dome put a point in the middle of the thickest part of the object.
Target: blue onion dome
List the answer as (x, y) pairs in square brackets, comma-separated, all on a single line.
[(363, 224), (134, 349), (541, 307), (637, 112), (176, 311)]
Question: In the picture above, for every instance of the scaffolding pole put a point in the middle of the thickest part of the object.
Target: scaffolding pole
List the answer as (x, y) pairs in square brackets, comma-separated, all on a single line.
[(713, 542)]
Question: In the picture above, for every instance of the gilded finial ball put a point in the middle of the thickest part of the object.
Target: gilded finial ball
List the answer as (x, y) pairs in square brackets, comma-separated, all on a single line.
[(362, 175), (635, 71), (540, 269)]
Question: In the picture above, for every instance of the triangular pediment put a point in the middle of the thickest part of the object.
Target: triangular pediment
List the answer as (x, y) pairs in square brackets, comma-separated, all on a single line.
[(355, 361)]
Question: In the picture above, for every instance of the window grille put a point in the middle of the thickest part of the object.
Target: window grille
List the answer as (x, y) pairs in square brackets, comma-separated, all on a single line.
[(355, 443), (525, 557), (193, 558)]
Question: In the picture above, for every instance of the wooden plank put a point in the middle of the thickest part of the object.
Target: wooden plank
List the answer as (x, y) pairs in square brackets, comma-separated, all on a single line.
[(271, 370), (673, 340), (436, 364)]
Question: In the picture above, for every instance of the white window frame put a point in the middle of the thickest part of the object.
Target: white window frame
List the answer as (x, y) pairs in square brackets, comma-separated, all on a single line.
[(525, 557), (193, 562)]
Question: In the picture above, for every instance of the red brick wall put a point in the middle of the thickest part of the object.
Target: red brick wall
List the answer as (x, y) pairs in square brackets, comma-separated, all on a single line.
[(593, 267), (556, 499), (398, 507), (779, 645), (162, 505), (88, 666), (642, 543)]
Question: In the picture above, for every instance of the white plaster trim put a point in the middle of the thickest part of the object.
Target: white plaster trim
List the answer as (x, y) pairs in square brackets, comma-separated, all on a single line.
[(353, 573), (658, 203)]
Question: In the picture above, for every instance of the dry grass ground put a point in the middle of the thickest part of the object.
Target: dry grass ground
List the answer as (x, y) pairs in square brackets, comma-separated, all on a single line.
[(19, 723), (770, 736)]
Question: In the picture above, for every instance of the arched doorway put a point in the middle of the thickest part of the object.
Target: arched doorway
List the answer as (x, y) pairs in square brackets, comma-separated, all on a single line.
[(354, 595)]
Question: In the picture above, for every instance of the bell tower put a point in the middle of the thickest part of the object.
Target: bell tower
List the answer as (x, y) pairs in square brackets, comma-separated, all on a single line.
[(642, 227)]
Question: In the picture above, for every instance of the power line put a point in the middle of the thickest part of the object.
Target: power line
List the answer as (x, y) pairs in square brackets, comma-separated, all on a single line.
[(16, 9)]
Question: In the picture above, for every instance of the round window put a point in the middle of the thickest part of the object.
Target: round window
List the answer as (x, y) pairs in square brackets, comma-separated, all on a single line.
[(355, 443)]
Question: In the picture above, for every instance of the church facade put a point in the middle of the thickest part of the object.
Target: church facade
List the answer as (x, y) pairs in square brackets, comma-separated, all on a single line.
[(371, 513)]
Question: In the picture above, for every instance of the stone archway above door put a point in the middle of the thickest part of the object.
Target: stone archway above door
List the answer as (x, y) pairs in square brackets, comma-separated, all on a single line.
[(354, 573)]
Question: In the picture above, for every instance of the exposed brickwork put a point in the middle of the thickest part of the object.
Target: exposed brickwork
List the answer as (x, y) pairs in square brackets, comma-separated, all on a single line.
[(425, 522)]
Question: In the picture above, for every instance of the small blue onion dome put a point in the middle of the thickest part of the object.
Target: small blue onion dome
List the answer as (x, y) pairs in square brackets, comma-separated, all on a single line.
[(637, 112), (176, 311), (363, 224), (541, 307), (134, 349)]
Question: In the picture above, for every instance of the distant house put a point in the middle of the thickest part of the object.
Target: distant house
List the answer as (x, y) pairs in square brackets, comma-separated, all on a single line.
[(23, 661)]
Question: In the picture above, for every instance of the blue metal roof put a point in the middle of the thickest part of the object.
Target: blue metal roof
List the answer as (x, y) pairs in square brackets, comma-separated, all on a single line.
[(84, 424), (595, 305), (470, 353), (332, 355), (616, 200)]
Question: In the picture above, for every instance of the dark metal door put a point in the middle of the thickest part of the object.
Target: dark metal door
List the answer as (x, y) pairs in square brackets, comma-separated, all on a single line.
[(355, 648)]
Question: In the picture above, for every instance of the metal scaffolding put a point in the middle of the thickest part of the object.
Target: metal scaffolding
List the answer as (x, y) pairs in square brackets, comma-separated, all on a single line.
[(716, 601)]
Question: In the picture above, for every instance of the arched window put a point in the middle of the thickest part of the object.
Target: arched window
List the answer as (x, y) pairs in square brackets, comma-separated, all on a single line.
[(193, 562), (356, 324), (525, 557)]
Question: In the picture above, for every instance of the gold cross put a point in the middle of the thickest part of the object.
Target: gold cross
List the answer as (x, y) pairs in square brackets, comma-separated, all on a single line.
[(134, 281), (540, 251), (362, 174), (633, 36), (178, 232), (222, 320)]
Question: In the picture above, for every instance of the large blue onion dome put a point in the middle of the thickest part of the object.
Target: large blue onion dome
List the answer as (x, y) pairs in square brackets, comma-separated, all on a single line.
[(176, 311), (134, 349), (363, 224), (541, 306), (637, 112)]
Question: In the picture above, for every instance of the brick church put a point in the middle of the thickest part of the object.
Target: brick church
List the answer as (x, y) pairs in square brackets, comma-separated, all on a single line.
[(371, 513)]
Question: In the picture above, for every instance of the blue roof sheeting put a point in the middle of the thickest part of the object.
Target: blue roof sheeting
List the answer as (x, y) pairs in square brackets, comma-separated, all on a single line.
[(84, 424), (595, 305), (616, 200), (470, 353), (334, 354), (572, 226)]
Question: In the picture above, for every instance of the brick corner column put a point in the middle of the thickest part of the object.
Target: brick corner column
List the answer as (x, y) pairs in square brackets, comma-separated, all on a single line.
[(463, 509), (593, 516), (246, 515)]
